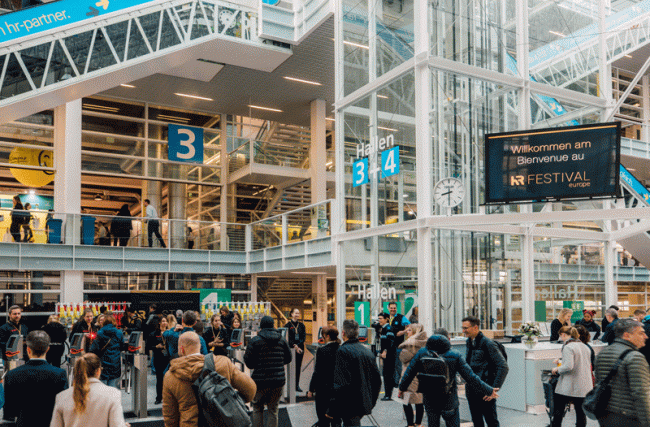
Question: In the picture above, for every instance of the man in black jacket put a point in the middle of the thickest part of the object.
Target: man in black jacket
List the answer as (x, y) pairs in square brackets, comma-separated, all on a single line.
[(387, 353), (611, 316), (12, 327), (356, 379), (266, 355), (486, 360), (31, 389)]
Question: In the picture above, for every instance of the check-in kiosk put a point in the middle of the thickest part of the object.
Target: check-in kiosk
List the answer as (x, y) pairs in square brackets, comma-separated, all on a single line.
[(363, 334), (137, 360), (321, 340), (236, 347), (77, 345), (14, 352)]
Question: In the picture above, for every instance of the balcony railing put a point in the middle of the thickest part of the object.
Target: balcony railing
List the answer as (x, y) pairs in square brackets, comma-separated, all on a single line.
[(285, 154), (83, 229), (310, 222)]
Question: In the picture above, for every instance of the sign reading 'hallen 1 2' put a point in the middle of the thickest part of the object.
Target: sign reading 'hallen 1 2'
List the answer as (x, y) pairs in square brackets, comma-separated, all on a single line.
[(389, 160), (185, 144), (553, 164)]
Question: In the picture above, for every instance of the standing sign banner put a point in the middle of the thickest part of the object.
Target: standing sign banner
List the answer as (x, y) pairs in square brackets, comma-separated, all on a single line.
[(185, 144), (362, 312)]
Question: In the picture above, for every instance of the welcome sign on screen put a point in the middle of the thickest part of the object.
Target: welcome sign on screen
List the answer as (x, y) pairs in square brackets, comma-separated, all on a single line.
[(553, 164)]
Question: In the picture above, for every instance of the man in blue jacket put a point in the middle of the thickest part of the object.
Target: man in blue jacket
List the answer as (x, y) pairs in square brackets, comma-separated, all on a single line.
[(170, 336), (436, 403), (31, 389), (486, 360)]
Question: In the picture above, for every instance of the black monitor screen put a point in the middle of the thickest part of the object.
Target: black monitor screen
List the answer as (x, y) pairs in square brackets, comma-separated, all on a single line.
[(134, 339), (235, 337), (320, 335), (76, 341), (12, 343), (363, 333)]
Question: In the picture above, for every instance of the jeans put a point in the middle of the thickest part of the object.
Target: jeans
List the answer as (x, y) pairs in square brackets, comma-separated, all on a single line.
[(271, 398), (153, 227), (481, 409), (559, 404), (435, 411), (113, 382)]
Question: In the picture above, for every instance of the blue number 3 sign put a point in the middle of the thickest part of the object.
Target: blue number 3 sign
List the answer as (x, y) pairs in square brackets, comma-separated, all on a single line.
[(185, 144)]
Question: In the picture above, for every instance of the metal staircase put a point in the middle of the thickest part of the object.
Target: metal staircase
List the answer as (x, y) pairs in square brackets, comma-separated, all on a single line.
[(571, 58), (56, 66)]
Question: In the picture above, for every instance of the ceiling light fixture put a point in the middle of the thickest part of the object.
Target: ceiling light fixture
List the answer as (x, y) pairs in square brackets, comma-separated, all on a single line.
[(382, 96), (266, 108), (98, 197), (556, 33), (129, 86), (329, 163), (330, 119), (309, 82), (362, 46), (387, 129), (180, 119), (103, 108), (628, 56), (202, 98)]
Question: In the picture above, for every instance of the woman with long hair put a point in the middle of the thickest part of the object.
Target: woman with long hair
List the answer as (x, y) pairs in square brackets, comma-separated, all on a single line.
[(108, 347), (121, 226), (160, 355), (16, 219), (88, 402), (575, 377), (417, 339), (217, 337), (563, 319), (171, 321)]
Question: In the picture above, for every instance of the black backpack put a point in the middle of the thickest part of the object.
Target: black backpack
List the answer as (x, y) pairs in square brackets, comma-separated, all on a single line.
[(501, 348), (220, 404), (435, 377)]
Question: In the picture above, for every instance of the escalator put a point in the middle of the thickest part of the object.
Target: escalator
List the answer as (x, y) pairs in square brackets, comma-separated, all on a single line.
[(65, 50), (635, 195)]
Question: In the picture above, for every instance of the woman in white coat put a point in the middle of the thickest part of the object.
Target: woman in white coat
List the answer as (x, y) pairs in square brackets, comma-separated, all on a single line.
[(88, 402), (575, 377)]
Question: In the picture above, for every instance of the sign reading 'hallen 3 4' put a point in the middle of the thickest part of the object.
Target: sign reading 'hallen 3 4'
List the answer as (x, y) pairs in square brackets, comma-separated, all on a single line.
[(551, 164)]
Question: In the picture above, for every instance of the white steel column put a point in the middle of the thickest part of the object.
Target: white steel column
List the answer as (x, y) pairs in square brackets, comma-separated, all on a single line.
[(611, 290), (318, 151), (319, 304), (527, 277), (225, 176), (254, 288), (604, 69), (67, 187), (423, 150), (645, 103), (337, 256), (523, 46)]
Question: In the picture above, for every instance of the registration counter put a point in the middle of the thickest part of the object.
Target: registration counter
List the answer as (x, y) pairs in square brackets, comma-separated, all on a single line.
[(523, 390)]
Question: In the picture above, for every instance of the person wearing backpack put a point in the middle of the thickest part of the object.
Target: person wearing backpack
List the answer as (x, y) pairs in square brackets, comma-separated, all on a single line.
[(266, 354), (180, 407), (436, 366), (629, 404), (486, 359)]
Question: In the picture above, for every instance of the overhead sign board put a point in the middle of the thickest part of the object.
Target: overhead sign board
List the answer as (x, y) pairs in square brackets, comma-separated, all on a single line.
[(58, 14), (552, 164)]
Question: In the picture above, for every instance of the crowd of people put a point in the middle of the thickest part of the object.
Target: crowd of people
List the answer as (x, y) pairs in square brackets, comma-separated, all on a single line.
[(346, 381)]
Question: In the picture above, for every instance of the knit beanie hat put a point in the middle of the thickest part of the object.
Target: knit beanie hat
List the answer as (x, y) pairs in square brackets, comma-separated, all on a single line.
[(266, 322)]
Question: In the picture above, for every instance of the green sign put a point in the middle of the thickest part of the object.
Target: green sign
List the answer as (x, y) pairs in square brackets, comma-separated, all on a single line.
[(362, 312), (577, 307), (540, 311), (410, 301), (215, 295)]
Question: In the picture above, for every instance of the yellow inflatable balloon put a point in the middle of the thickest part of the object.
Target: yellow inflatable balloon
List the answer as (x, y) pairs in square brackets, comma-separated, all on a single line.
[(32, 157)]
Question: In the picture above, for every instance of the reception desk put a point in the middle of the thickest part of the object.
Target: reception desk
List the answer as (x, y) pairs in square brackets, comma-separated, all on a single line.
[(523, 390)]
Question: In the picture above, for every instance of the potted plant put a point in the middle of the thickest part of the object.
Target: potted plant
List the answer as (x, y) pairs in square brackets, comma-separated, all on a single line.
[(531, 331)]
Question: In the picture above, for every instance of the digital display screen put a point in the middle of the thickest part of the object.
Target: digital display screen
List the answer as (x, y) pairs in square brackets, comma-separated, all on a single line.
[(134, 338), (11, 343), (76, 341), (235, 337), (574, 162)]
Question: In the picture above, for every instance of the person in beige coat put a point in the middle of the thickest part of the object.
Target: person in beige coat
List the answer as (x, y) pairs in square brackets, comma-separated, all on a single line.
[(416, 339), (179, 402), (88, 402)]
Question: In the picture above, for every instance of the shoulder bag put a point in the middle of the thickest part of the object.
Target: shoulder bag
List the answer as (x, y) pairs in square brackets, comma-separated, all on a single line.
[(596, 401)]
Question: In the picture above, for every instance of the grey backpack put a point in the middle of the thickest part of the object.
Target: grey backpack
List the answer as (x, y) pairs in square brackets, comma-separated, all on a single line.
[(219, 403)]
